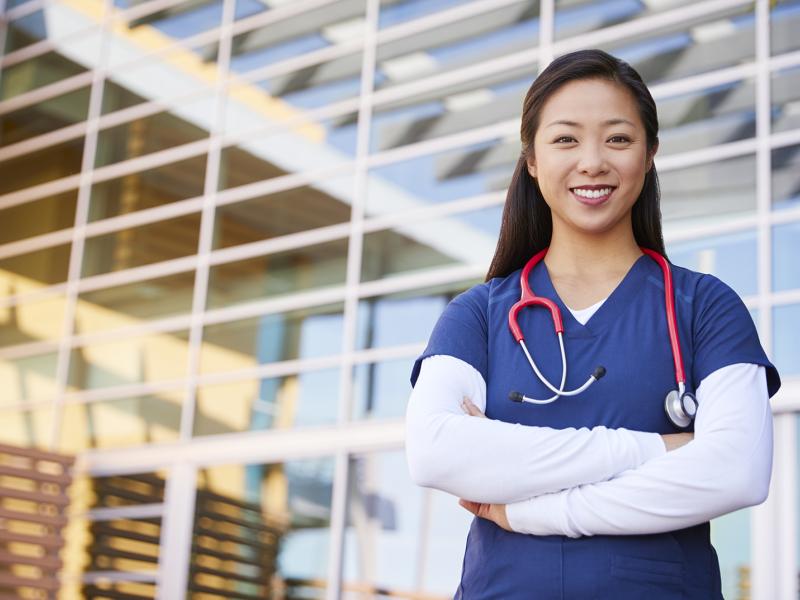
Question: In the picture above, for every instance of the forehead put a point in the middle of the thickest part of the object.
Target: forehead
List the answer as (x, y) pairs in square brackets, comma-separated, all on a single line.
[(589, 102)]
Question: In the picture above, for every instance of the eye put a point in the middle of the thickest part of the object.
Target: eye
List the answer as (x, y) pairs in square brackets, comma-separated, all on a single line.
[(564, 139), (620, 139)]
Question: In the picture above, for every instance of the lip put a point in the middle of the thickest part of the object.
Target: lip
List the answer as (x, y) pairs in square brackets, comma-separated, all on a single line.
[(593, 201)]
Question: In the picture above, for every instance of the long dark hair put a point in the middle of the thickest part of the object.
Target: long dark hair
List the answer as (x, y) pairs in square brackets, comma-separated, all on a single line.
[(527, 224)]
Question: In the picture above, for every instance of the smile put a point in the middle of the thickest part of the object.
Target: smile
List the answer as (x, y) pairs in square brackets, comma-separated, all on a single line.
[(593, 196)]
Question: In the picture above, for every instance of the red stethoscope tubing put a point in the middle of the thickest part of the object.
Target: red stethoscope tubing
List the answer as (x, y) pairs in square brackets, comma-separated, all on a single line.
[(528, 298)]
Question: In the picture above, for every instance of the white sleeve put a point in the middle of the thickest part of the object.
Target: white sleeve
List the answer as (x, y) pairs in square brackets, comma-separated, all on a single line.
[(486, 460), (727, 466)]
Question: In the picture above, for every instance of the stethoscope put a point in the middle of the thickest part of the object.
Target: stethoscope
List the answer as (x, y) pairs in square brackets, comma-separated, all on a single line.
[(680, 405)]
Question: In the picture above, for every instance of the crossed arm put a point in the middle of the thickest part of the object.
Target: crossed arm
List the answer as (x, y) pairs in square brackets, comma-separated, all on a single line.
[(584, 482)]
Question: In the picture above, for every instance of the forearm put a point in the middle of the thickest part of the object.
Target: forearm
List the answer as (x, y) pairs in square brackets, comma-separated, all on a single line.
[(486, 460), (726, 467)]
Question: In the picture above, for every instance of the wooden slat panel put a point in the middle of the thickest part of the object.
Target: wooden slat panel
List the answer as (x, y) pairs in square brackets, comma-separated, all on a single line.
[(42, 476), (46, 541), (36, 454), (41, 583), (60, 500), (31, 517), (194, 587), (44, 562)]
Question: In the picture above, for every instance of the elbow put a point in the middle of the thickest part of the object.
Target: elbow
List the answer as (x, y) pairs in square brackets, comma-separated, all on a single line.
[(750, 489), (423, 463)]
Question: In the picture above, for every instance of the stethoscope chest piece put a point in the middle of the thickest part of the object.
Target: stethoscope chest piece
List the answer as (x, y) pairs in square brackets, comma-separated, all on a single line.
[(680, 408)]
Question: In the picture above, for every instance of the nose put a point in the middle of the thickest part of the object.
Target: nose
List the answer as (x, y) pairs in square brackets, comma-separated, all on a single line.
[(592, 160)]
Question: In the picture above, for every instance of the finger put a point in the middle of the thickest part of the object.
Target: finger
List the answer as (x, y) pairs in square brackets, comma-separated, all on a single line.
[(470, 408), (470, 506)]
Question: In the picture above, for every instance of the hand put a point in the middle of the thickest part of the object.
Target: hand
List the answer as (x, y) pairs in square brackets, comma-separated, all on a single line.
[(471, 409), (673, 441), (491, 512)]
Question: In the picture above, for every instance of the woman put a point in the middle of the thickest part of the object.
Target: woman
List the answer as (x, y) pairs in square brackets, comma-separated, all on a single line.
[(598, 495)]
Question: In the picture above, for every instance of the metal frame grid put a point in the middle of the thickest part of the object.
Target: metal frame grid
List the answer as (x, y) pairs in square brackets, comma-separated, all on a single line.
[(774, 553)]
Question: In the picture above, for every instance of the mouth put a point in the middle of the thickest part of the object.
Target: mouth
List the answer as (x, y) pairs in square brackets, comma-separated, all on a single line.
[(592, 195)]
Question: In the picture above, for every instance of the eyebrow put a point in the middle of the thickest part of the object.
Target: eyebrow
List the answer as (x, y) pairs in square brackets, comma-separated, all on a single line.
[(574, 124)]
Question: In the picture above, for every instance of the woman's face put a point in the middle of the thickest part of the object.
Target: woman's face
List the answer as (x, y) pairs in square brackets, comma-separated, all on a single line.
[(590, 157)]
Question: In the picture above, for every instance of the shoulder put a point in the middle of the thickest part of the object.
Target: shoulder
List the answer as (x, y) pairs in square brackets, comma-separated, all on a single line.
[(704, 291)]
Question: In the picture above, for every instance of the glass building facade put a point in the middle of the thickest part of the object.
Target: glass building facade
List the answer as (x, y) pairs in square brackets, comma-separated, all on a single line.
[(227, 228)]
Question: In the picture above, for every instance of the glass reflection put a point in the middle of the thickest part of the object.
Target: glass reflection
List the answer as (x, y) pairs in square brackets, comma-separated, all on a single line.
[(27, 428), (119, 423), (730, 535), (134, 303), (442, 177), (314, 30), (301, 400), (576, 17), (28, 378), (74, 56), (404, 317), (153, 133), (263, 530), (786, 177), (718, 115), (381, 389), (390, 517), (34, 270), (320, 204), (41, 166), (32, 321), (709, 192), (461, 239), (394, 12), (37, 217), (458, 43), (137, 246), (179, 21), (44, 117), (54, 23), (785, 250), (785, 97), (784, 21), (733, 258), (146, 189), (305, 333), (302, 269), (785, 341), (138, 359), (724, 39), (453, 108)]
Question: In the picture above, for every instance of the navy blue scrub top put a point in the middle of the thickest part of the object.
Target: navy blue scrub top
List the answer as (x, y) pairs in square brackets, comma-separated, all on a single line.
[(628, 336)]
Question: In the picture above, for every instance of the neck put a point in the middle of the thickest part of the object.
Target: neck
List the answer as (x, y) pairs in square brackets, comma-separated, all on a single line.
[(591, 256)]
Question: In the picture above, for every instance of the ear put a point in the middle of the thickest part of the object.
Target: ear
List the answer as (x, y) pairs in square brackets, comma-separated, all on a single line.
[(532, 169), (650, 157)]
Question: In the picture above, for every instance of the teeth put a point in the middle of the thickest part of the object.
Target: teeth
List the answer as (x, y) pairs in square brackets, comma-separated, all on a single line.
[(592, 193)]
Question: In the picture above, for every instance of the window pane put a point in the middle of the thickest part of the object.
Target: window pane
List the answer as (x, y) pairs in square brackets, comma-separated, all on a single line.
[(442, 177), (31, 271), (273, 521), (458, 43), (576, 17), (786, 177), (290, 38), (134, 303), (786, 343), (138, 359), (28, 378), (117, 423), (41, 166), (449, 109), (730, 535), (36, 217), (711, 191), (405, 317), (785, 250), (390, 517), (181, 20), (301, 400), (785, 96), (462, 239), (146, 189), (785, 21), (733, 258), (381, 389), (394, 12), (151, 134), (44, 117), (718, 115), (303, 269), (143, 245), (725, 39), (306, 333), (27, 428), (32, 321), (311, 206)]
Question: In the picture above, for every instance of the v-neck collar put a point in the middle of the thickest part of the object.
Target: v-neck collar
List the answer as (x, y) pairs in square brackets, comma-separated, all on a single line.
[(615, 304)]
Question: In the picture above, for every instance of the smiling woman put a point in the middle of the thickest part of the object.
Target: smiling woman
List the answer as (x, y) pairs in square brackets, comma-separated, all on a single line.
[(604, 490)]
